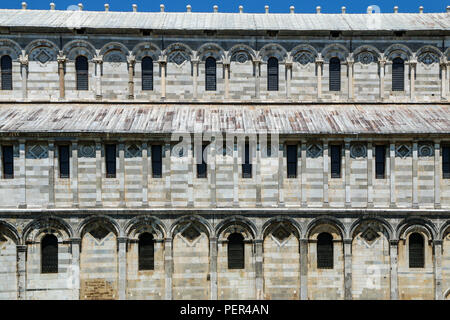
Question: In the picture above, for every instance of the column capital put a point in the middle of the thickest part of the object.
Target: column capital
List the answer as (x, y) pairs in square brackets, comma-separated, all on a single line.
[(75, 240), (23, 59), (162, 59), (319, 61), (195, 60), (382, 61), (350, 61), (289, 62), (61, 58), (97, 59), (122, 239), (393, 242), (131, 59), (347, 241), (21, 248), (413, 63), (437, 242), (257, 61)]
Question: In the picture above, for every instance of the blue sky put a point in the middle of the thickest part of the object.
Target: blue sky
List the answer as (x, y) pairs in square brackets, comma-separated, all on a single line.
[(279, 6)]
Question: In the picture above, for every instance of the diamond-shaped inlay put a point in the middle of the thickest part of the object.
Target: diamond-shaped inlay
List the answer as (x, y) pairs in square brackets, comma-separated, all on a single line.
[(37, 152), (370, 235), (304, 58), (281, 233), (191, 233), (178, 57), (43, 57), (428, 58), (314, 151), (132, 151), (403, 151), (99, 233)]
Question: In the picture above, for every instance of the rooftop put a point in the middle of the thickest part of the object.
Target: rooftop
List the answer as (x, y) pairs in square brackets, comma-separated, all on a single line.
[(77, 19), (346, 119)]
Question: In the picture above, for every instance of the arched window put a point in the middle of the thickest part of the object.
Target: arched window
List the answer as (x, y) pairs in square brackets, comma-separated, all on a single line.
[(325, 251), (82, 68), (398, 74), (335, 74), (146, 252), (416, 251), (236, 251), (6, 68), (272, 74), (147, 73), (210, 74), (49, 254)]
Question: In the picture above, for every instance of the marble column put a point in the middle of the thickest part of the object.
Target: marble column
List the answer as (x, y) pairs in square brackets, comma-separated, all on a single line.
[(257, 71), (168, 267), (412, 69), (382, 63), (163, 65), (21, 271), (131, 60), (23, 59), (348, 269), (98, 61), (393, 250), (122, 241), (438, 269), (213, 267), (75, 274), (350, 63), (303, 269), (259, 269), (61, 63), (195, 63), (319, 66)]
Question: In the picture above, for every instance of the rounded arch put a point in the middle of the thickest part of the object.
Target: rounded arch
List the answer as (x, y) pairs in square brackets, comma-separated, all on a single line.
[(241, 53), (366, 54), (182, 221), (340, 228), (335, 50), (140, 224), (76, 48), (114, 46), (236, 224), (410, 225), (304, 54), (274, 222), (398, 50), (386, 226), (41, 43), (11, 230), (210, 50), (429, 54), (447, 294), (273, 50), (11, 48), (445, 228), (447, 53), (145, 49), (37, 228), (99, 218)]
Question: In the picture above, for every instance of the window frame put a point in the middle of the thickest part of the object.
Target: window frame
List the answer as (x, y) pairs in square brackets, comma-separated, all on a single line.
[(334, 76), (110, 164), (416, 258), (147, 73), (64, 175), (334, 162), (202, 168), (146, 263), (273, 78), (397, 78), (52, 265), (6, 75), (7, 175), (246, 165), (210, 74), (445, 161), (236, 247), (156, 164), (291, 164), (380, 162), (325, 247), (80, 86)]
